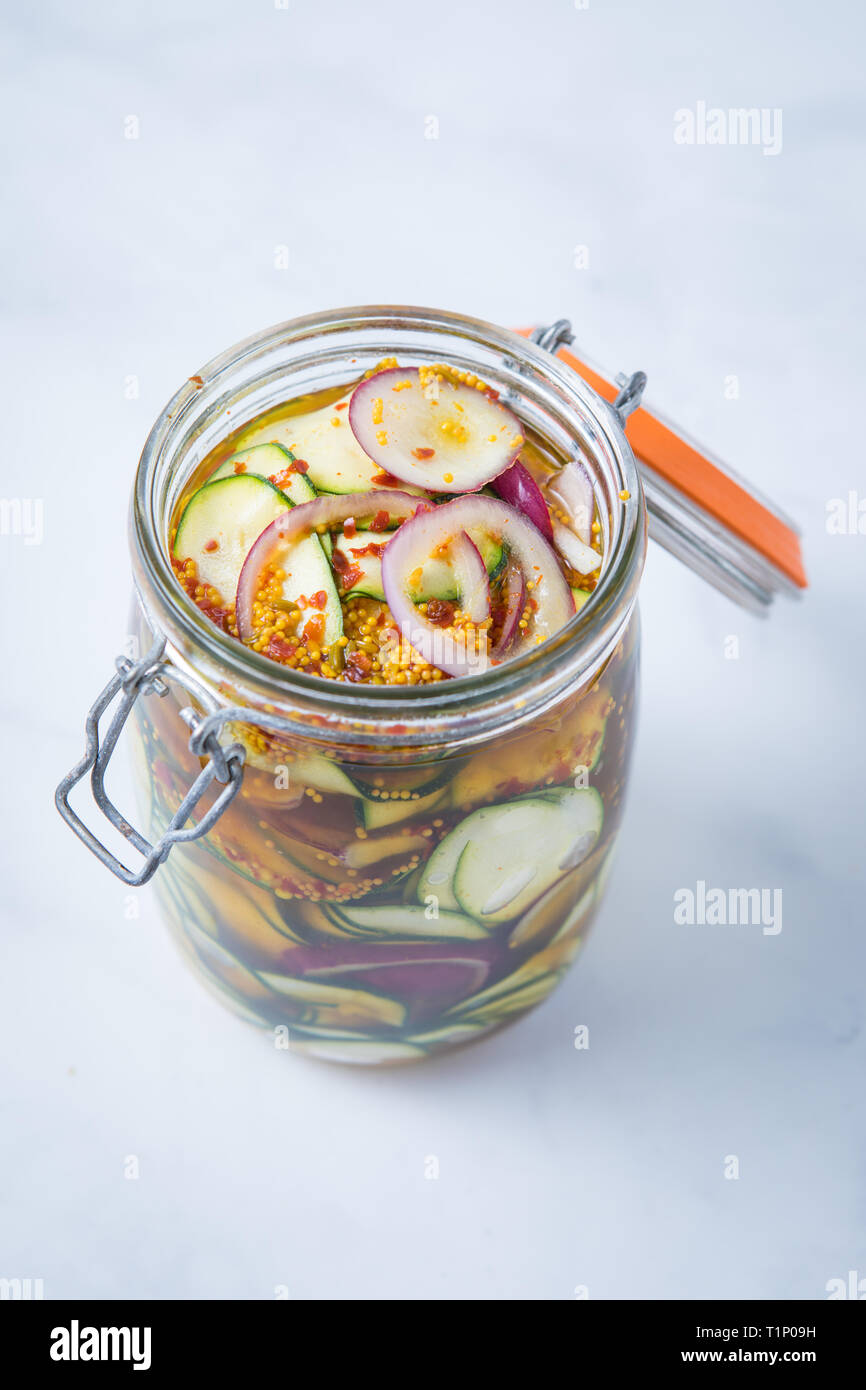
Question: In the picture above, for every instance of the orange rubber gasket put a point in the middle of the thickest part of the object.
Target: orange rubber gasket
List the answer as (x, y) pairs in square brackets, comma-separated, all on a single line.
[(697, 478)]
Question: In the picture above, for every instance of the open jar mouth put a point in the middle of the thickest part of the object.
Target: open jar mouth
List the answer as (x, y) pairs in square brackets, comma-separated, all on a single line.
[(325, 350)]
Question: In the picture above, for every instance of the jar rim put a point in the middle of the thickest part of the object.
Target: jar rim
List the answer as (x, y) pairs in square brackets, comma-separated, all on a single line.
[(566, 659)]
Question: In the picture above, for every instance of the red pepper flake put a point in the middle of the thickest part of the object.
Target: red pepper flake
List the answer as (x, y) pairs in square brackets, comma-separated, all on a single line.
[(350, 530), (440, 612), (197, 382), (314, 630), (215, 611), (372, 548), (211, 545), (278, 649), (491, 394), (386, 479), (423, 453), (319, 599), (380, 521), (343, 405), (358, 665), (284, 477), (348, 573), (240, 467)]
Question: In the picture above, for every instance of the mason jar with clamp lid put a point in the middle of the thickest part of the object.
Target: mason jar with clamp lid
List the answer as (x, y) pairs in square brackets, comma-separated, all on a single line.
[(385, 870)]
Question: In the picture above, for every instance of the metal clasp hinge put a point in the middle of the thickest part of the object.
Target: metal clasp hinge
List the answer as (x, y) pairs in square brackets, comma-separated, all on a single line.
[(631, 388), (224, 765)]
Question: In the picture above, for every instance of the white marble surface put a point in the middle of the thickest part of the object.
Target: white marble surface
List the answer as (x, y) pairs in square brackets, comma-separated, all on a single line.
[(304, 127)]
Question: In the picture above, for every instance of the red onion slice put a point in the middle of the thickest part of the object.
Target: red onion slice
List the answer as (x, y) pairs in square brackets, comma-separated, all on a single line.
[(572, 488), (581, 557), (412, 544), (518, 488), (514, 595), (439, 435), (472, 577), (299, 522)]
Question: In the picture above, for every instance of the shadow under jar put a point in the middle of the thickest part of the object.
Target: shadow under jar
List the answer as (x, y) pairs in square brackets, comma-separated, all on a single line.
[(401, 870)]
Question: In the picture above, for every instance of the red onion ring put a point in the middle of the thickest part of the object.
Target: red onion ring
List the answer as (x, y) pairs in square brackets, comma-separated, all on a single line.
[(572, 487), (581, 557), (412, 544), (299, 522), (514, 594), (400, 427), (518, 488), (406, 551)]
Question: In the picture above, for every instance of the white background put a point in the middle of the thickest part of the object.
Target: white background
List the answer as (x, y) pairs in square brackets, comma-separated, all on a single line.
[(122, 258)]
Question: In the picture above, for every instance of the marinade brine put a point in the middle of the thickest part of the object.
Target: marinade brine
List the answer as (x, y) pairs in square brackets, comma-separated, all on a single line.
[(406, 530)]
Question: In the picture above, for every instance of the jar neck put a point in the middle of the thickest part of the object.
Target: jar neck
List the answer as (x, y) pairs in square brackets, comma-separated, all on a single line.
[(327, 350)]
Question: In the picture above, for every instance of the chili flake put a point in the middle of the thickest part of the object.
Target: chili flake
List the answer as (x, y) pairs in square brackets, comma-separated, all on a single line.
[(314, 630)]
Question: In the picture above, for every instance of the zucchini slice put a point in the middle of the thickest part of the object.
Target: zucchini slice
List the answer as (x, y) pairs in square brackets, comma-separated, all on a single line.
[(497, 1004), (437, 576), (435, 580), (406, 922), (392, 783), (362, 853), (265, 461), (500, 859), (322, 774), (331, 1003), (219, 524), (452, 1035), (502, 872), (336, 461), (367, 1052), (308, 572), (308, 922), (272, 460), (385, 805), (555, 914), (368, 568), (324, 440), (375, 815)]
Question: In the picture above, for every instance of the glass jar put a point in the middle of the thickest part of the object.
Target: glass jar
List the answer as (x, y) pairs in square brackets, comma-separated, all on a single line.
[(384, 871)]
